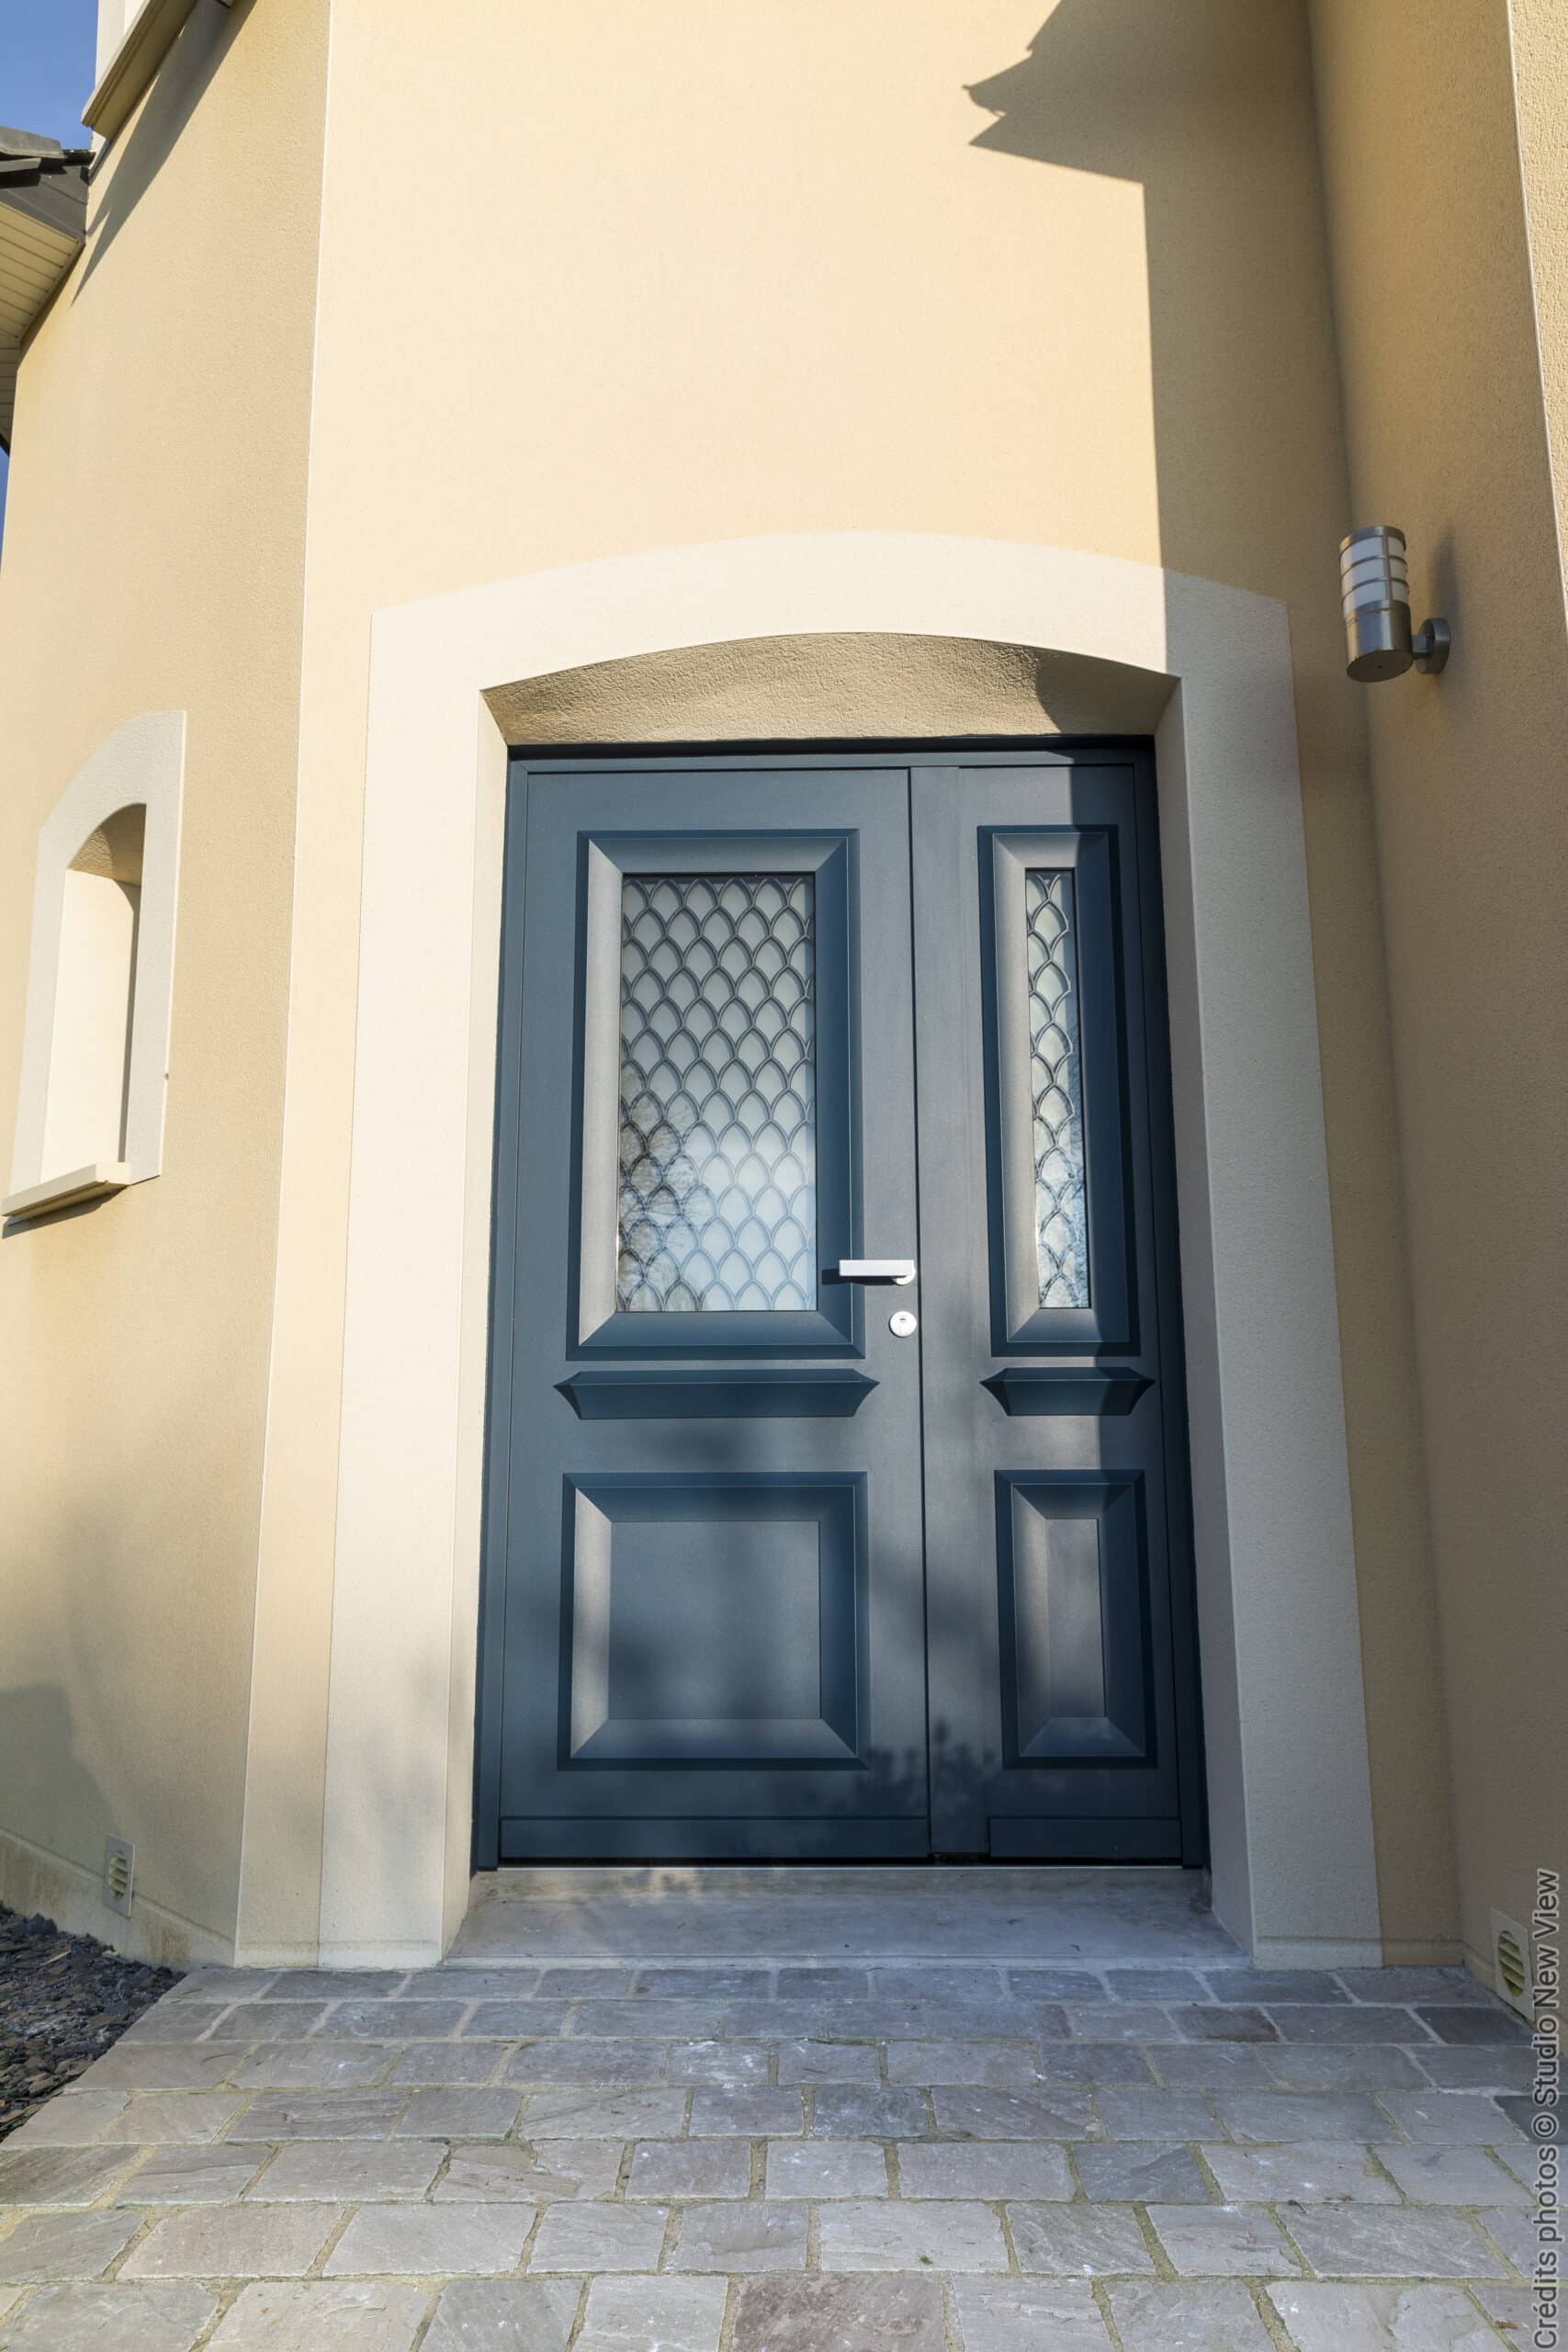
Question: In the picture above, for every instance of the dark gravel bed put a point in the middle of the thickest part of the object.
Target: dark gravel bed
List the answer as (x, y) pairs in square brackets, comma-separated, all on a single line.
[(63, 2001)]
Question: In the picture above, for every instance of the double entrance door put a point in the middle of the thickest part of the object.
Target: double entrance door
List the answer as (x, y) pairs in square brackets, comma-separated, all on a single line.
[(837, 1503)]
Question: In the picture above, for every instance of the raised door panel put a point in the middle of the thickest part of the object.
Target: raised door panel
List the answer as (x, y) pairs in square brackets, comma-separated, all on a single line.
[(716, 1621), (1073, 1658)]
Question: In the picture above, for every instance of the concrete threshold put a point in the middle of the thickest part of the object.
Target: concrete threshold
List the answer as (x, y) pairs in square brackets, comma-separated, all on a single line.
[(700, 1913)]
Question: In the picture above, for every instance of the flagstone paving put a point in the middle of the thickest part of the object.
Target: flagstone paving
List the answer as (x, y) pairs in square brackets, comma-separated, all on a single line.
[(734, 2157)]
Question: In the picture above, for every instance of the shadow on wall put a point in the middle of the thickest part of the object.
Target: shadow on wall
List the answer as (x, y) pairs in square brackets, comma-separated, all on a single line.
[(138, 154), (1202, 109), (124, 1582), (37, 1725)]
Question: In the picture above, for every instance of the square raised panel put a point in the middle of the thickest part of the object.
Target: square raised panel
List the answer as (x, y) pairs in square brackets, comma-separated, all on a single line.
[(714, 1621), (1072, 1561)]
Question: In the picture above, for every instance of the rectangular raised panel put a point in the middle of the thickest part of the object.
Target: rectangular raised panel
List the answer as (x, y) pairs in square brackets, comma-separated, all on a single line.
[(1056, 1062), (1074, 1656), (1061, 1234), (714, 1621), (717, 1089), (715, 1100)]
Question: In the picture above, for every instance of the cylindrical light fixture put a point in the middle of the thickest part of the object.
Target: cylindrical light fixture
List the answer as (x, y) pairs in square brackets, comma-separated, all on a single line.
[(1374, 580)]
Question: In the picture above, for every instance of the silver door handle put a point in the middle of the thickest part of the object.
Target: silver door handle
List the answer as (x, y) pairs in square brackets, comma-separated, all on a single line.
[(876, 1270)]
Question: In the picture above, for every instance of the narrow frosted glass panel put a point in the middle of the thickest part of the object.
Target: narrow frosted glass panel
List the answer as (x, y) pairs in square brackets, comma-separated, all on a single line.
[(718, 1203), (1055, 1090)]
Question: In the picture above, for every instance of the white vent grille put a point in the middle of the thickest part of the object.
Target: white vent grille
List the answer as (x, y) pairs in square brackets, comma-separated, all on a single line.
[(1511, 1964), (120, 1869)]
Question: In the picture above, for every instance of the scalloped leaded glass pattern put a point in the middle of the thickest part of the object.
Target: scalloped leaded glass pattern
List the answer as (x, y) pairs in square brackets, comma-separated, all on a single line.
[(1056, 1088), (718, 1204)]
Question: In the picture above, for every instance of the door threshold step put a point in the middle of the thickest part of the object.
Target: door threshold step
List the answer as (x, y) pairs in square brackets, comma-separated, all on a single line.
[(811, 1916), (567, 1882)]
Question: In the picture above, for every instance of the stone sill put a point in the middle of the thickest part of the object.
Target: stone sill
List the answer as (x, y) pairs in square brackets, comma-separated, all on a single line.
[(92, 1183)]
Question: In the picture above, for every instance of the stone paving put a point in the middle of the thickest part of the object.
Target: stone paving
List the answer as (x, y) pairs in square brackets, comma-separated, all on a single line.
[(727, 2157)]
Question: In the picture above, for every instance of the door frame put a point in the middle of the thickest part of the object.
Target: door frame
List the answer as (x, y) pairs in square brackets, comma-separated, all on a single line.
[(1292, 1853), (974, 752)]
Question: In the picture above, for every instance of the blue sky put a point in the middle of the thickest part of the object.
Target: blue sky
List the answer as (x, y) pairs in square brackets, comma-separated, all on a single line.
[(46, 73)]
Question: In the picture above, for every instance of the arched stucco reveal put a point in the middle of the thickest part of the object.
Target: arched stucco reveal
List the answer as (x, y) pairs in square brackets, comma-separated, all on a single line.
[(1290, 1801), (833, 687)]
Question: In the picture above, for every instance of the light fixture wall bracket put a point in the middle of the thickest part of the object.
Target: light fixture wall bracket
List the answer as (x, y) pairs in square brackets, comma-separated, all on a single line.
[(1430, 645)]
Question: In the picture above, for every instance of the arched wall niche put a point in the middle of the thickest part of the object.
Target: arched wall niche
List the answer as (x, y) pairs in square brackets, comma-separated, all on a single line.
[(101, 974), (89, 1061)]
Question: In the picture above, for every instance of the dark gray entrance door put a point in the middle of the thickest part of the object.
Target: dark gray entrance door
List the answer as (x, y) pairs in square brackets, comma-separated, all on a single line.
[(787, 1557)]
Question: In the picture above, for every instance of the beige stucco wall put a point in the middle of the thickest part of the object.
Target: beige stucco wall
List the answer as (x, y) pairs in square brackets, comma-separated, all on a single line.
[(795, 267), (1449, 438), (152, 556), (780, 271)]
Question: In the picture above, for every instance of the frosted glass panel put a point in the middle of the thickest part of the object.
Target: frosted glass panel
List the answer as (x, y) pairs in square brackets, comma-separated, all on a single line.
[(1055, 1090), (717, 1200)]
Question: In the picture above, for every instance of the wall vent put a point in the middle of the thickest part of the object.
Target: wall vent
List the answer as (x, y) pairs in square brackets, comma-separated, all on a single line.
[(1511, 1964), (120, 1869)]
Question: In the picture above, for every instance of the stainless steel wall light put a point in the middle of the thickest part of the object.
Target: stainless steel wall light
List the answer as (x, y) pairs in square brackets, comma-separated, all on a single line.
[(1374, 580)]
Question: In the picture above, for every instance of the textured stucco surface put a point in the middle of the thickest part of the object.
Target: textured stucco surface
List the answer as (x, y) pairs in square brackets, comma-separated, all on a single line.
[(797, 277), (153, 546), (832, 686), (1004, 269), (1447, 438)]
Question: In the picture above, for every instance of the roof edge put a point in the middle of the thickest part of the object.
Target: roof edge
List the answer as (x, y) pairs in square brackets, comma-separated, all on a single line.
[(44, 226)]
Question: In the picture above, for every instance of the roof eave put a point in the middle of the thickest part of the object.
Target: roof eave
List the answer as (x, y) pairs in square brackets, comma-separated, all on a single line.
[(36, 256)]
